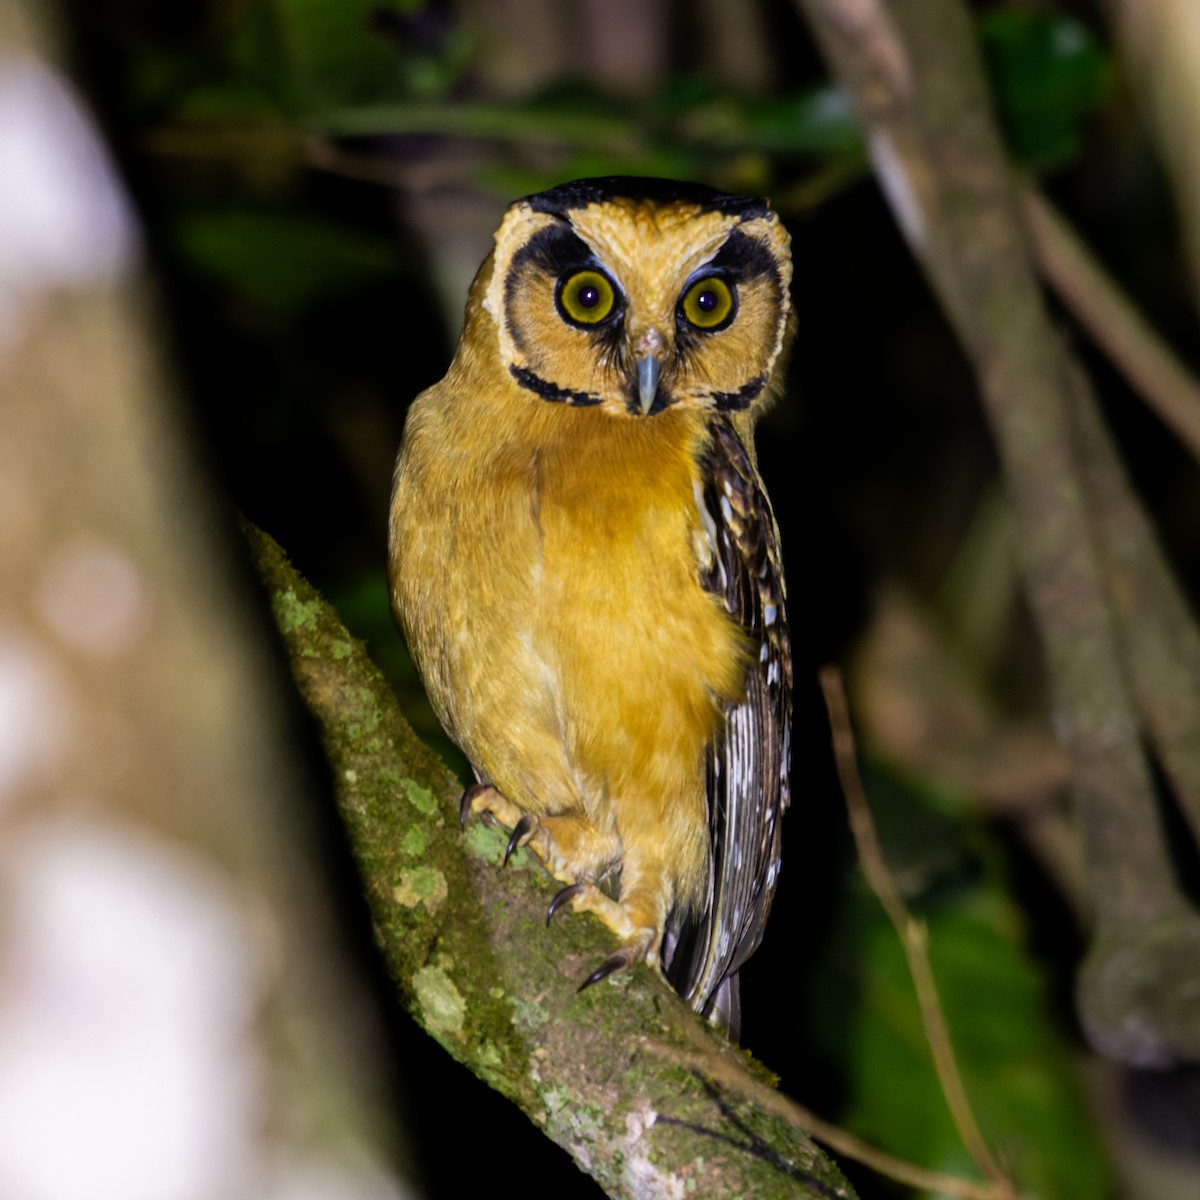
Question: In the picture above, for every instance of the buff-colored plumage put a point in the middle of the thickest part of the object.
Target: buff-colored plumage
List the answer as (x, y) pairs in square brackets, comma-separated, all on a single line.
[(559, 540)]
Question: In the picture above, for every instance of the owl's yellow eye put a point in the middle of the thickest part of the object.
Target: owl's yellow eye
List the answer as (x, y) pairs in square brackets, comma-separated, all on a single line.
[(709, 304), (586, 298)]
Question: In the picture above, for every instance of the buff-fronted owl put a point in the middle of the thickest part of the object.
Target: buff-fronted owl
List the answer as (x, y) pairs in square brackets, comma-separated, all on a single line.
[(586, 567)]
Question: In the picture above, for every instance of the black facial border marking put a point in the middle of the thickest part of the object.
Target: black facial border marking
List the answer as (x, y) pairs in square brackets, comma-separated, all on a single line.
[(743, 397), (568, 196), (743, 258), (546, 390), (662, 401), (555, 249), (559, 252)]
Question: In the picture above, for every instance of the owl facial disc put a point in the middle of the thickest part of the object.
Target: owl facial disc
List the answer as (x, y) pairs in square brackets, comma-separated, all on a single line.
[(634, 296)]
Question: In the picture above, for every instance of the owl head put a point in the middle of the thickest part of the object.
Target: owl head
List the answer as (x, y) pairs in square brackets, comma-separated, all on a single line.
[(636, 295)]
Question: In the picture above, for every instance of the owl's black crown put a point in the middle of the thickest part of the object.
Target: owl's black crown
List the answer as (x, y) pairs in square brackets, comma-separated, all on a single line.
[(581, 192)]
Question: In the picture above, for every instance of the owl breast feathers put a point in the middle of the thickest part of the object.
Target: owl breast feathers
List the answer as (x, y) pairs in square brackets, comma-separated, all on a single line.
[(586, 567)]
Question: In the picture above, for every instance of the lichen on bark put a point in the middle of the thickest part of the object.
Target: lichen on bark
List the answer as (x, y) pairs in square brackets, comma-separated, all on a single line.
[(623, 1075)]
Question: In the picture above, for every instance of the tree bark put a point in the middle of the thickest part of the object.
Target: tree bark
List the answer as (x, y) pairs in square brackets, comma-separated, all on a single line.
[(645, 1096)]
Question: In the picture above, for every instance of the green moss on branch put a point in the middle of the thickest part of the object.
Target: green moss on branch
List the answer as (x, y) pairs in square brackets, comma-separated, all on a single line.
[(611, 1074)]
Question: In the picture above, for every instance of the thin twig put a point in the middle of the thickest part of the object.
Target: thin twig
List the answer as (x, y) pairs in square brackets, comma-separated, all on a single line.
[(1150, 365), (854, 1148), (738, 1081), (912, 933), (486, 121), (413, 178)]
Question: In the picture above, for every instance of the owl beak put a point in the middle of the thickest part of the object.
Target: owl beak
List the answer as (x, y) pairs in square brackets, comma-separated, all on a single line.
[(648, 371)]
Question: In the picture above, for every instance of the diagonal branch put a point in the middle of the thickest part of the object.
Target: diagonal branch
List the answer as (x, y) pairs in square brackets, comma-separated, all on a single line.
[(1157, 628), (1149, 364), (1158, 633), (476, 966), (913, 70)]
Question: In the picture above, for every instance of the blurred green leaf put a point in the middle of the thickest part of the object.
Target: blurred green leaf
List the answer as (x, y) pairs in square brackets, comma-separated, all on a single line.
[(1015, 1061), (297, 56), (503, 122), (1050, 74), (281, 259), (334, 53), (814, 122), (821, 120), (580, 96), (817, 120)]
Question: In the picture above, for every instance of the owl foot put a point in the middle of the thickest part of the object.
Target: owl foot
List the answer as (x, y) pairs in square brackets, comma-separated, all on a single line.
[(572, 889), (575, 852), (618, 961), (491, 805), (522, 832), (639, 942), (466, 806), (527, 830)]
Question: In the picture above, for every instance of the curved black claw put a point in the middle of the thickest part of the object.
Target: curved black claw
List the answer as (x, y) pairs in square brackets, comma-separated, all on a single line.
[(610, 966), (464, 805), (524, 825), (571, 890)]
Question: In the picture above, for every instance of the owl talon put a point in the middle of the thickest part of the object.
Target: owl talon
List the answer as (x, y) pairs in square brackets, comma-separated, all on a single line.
[(520, 835), (467, 801), (619, 961), (568, 893)]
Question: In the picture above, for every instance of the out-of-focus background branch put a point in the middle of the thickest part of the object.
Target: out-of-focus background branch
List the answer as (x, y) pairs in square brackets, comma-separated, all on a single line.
[(985, 472), (919, 85), (1161, 43)]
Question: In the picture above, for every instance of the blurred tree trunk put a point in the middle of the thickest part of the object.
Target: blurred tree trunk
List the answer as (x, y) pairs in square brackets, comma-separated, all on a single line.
[(1161, 39), (176, 1019), (914, 71)]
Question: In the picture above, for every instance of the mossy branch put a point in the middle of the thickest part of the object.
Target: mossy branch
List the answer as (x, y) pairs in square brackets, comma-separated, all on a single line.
[(642, 1093)]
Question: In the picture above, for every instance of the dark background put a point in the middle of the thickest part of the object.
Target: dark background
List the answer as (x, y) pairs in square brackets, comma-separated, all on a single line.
[(314, 178)]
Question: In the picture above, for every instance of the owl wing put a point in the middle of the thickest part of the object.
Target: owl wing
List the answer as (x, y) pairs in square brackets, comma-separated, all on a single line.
[(749, 758)]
